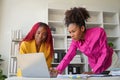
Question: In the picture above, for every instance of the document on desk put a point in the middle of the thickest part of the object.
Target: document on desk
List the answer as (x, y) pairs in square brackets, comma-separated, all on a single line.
[(80, 76), (73, 76)]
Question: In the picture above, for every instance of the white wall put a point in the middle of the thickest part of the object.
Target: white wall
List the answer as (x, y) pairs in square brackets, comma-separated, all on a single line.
[(18, 14), (0, 9), (22, 14), (107, 5)]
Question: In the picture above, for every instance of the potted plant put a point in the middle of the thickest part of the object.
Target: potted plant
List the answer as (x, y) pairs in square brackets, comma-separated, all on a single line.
[(111, 44), (2, 77)]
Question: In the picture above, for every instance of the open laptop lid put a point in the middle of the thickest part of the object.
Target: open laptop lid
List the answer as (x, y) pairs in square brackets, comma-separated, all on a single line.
[(33, 65)]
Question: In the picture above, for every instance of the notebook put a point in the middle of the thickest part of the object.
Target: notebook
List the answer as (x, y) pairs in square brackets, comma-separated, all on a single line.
[(33, 65)]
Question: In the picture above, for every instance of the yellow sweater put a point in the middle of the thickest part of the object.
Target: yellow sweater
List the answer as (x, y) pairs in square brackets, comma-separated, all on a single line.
[(29, 47)]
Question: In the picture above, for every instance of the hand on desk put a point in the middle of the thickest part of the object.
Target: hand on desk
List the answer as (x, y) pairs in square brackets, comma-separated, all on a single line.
[(53, 72)]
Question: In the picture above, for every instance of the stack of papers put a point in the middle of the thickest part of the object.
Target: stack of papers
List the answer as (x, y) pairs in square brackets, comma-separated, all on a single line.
[(115, 72)]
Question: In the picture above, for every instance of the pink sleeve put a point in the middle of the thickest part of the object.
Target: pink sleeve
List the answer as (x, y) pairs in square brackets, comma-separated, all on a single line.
[(67, 58), (104, 51)]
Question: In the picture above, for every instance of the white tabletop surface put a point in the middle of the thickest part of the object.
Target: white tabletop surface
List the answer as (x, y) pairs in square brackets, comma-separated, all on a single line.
[(21, 78), (90, 78)]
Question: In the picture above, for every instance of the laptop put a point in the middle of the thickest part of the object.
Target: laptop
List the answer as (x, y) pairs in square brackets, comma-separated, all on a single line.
[(33, 65)]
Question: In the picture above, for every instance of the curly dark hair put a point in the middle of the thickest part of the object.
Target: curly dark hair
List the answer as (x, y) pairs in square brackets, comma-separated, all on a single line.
[(76, 15)]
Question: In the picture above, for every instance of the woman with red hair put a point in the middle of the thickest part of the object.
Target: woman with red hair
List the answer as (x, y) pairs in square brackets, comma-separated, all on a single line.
[(39, 39)]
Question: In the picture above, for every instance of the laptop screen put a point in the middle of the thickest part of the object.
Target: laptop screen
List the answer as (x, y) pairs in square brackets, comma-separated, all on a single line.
[(33, 65)]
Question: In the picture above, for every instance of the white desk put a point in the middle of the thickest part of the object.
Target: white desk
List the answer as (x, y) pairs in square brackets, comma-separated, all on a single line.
[(104, 78), (90, 78), (38, 79)]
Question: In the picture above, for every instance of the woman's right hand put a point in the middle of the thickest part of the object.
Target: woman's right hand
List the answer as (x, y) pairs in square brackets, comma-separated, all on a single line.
[(53, 72)]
